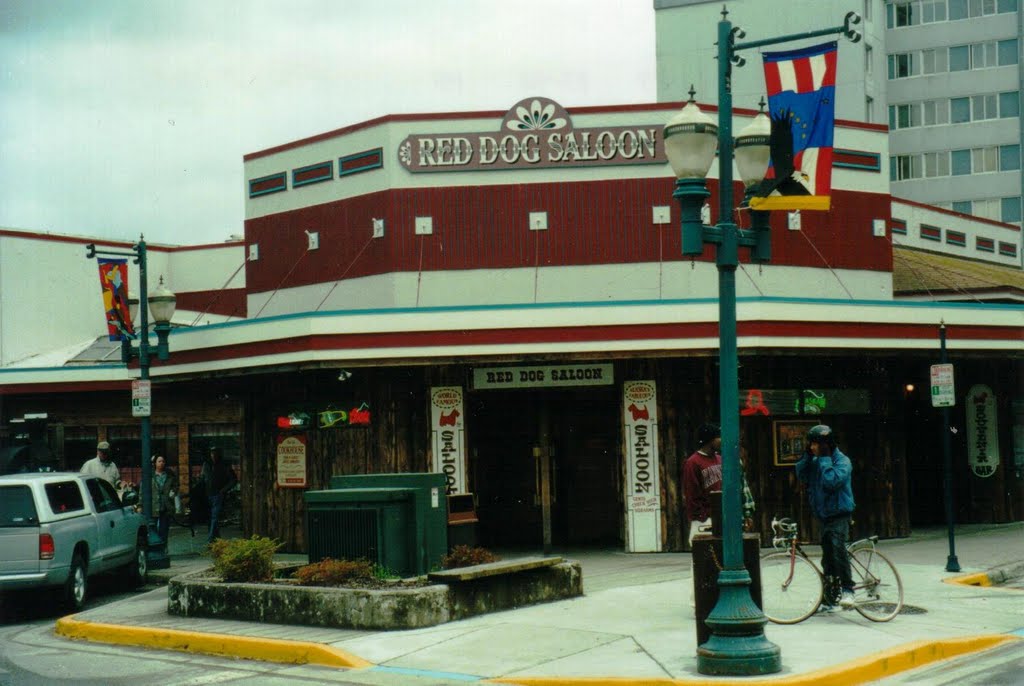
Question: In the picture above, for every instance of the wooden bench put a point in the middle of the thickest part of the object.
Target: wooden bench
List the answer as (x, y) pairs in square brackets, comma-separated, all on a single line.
[(487, 569)]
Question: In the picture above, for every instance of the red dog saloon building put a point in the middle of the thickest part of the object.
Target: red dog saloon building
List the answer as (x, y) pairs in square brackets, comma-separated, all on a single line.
[(505, 291), (501, 297)]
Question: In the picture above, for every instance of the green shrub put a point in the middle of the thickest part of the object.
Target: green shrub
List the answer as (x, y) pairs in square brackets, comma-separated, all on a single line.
[(464, 556), (244, 559), (328, 572)]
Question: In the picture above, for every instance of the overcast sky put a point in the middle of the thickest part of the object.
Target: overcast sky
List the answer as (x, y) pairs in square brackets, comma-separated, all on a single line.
[(121, 117)]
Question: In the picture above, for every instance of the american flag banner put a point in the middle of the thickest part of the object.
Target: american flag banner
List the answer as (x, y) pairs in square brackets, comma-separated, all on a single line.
[(801, 88), (114, 282)]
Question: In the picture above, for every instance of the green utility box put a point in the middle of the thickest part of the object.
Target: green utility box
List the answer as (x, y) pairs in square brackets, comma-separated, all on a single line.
[(370, 523), (418, 500)]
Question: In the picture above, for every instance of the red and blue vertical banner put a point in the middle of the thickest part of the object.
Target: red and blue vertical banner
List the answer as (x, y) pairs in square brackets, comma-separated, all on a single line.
[(114, 285), (801, 88)]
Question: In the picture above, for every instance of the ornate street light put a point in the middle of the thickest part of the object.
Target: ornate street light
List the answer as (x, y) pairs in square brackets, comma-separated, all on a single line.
[(161, 304), (737, 645)]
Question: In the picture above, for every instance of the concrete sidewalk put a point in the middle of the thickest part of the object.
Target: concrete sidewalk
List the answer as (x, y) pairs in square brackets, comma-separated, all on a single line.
[(633, 625)]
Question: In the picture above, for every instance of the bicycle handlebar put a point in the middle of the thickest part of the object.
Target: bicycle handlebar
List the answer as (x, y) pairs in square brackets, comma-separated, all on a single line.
[(784, 525)]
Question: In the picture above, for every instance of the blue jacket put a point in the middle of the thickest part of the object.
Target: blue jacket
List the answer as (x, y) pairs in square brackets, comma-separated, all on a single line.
[(828, 483)]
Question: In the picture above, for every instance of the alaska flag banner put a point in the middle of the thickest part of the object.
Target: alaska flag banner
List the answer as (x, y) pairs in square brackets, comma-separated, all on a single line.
[(801, 103), (114, 282)]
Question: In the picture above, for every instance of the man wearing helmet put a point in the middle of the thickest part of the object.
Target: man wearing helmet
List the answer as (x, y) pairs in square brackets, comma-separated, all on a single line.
[(826, 472)]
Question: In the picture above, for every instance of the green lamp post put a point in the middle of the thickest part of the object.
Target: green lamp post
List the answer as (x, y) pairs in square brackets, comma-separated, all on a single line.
[(737, 645), (161, 303)]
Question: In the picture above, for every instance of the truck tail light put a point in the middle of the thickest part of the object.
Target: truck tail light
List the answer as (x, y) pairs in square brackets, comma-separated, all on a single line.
[(45, 547)]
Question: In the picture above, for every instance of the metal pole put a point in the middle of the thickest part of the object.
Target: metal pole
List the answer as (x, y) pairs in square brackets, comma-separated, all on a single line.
[(952, 564), (737, 645), (146, 487)]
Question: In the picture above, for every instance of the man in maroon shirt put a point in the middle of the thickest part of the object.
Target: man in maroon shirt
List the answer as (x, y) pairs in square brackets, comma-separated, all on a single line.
[(702, 473)]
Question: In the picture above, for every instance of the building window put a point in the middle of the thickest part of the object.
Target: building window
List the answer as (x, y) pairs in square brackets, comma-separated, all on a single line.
[(959, 58), (1011, 210), (935, 61), (1009, 157), (984, 244), (79, 446), (957, 9), (902, 66), (960, 162), (936, 164), (957, 238), (899, 226), (125, 443), (984, 107), (935, 112), (1008, 52), (962, 206), (984, 160), (904, 167), (1007, 249), (960, 110), (931, 233), (989, 208), (1009, 104), (202, 437)]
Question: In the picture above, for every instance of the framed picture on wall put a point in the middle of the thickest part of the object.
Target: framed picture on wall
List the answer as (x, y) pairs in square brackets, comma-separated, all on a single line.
[(788, 436)]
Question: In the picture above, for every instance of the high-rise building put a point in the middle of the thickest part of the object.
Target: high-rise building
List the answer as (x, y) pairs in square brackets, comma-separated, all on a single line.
[(944, 74)]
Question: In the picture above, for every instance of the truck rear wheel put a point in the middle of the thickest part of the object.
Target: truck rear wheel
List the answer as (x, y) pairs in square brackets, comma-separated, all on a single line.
[(139, 566), (76, 588)]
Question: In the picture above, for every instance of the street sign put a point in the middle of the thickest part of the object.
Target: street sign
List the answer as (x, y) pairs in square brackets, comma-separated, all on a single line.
[(943, 394), (141, 398)]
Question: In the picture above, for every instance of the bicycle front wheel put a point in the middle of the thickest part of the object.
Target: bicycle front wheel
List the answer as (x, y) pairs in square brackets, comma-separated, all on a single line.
[(878, 583), (790, 587)]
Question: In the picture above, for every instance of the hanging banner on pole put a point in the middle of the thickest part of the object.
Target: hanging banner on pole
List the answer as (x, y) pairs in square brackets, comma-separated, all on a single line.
[(448, 433), (801, 87), (114, 285), (643, 490)]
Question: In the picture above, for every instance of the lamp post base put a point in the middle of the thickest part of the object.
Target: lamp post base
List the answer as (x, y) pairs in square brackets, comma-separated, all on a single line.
[(737, 646), (156, 551)]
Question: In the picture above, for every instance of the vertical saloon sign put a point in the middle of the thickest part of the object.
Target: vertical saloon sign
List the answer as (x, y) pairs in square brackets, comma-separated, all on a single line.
[(982, 437), (449, 436), (535, 133), (643, 491)]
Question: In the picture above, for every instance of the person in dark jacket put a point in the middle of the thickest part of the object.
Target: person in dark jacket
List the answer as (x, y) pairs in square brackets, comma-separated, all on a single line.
[(218, 478), (164, 488), (826, 472)]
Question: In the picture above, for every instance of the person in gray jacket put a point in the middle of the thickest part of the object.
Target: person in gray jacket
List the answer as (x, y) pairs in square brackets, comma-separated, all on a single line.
[(826, 472)]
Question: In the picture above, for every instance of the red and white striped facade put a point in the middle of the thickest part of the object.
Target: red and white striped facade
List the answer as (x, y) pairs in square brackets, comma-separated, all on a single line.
[(605, 276)]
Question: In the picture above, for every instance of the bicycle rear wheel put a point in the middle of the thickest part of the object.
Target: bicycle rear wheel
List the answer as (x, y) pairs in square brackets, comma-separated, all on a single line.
[(790, 587), (879, 584)]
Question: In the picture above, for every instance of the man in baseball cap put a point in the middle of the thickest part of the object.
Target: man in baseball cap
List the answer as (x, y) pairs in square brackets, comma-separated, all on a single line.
[(102, 466)]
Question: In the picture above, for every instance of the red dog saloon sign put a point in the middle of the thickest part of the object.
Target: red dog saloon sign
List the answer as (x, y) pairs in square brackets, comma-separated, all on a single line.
[(643, 492), (449, 436), (536, 133)]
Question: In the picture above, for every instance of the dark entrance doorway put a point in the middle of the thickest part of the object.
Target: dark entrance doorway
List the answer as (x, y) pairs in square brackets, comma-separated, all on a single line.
[(581, 427)]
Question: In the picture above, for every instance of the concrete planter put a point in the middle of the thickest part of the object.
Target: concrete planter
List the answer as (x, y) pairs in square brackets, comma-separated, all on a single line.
[(201, 594)]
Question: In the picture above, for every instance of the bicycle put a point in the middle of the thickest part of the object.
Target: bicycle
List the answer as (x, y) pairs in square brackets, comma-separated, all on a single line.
[(792, 585), (183, 516)]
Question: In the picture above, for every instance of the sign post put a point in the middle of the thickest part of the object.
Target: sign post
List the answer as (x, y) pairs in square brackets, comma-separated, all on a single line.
[(943, 396), (943, 392), (142, 398)]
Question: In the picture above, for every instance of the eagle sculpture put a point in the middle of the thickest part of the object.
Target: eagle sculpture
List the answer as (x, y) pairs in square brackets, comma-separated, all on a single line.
[(788, 180)]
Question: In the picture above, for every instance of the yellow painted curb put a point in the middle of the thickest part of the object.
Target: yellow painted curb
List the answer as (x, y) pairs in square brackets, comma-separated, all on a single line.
[(861, 671), (979, 579), (246, 647)]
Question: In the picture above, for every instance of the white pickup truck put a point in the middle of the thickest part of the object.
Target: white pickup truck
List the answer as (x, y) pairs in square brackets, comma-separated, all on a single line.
[(58, 529)]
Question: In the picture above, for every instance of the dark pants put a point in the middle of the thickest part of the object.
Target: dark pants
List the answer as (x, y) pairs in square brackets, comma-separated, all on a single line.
[(835, 561), (216, 503)]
